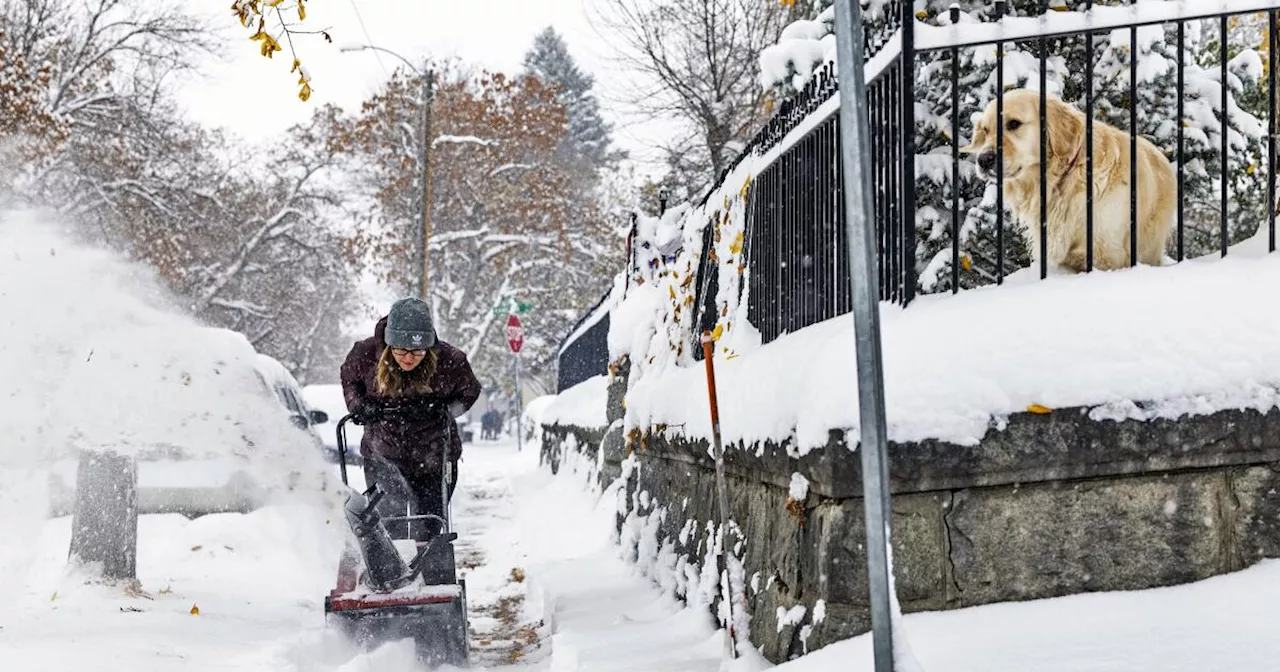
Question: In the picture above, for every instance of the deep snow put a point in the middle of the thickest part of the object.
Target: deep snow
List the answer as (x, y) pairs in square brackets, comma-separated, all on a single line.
[(257, 580), (1142, 342)]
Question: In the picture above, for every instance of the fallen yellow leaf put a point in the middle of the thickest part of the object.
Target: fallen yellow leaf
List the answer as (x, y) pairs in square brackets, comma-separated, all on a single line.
[(195, 610), (736, 246), (966, 263), (1037, 408)]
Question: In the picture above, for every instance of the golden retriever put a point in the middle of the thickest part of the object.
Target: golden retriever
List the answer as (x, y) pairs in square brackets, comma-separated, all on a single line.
[(1067, 160)]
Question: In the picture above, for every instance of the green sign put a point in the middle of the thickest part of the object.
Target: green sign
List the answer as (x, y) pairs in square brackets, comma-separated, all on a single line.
[(505, 307)]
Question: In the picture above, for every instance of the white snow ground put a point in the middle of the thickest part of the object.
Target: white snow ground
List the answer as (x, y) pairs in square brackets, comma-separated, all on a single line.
[(258, 580)]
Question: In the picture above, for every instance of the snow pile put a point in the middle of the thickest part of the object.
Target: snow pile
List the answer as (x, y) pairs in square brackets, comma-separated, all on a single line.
[(1089, 340), (662, 234), (632, 324), (582, 405), (531, 418), (94, 356), (1219, 623), (225, 591), (799, 487), (802, 47)]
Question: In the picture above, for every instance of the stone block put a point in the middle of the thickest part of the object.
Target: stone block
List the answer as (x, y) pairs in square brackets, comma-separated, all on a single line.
[(919, 552), (615, 403), (1047, 540), (1256, 528)]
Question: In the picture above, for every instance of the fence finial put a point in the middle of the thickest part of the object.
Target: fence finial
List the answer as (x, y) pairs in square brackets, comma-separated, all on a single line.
[(955, 13)]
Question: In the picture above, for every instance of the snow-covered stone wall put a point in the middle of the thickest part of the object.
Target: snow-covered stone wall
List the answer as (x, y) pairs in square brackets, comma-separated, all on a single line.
[(1053, 504)]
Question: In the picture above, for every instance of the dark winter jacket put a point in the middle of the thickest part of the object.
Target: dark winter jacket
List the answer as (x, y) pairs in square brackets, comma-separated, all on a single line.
[(417, 439)]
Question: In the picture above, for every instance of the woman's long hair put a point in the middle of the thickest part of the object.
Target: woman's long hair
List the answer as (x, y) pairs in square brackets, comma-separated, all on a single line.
[(394, 381)]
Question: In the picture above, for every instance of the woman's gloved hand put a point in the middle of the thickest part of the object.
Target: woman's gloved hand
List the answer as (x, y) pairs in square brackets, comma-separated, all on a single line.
[(367, 411)]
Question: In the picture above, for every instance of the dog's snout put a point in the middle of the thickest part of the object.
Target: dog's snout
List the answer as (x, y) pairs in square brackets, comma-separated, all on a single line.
[(987, 160)]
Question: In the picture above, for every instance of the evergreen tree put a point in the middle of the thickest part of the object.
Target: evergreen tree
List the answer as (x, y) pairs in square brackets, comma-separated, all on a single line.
[(587, 144)]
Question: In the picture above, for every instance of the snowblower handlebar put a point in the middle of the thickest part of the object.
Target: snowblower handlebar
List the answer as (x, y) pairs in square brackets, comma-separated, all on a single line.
[(383, 413)]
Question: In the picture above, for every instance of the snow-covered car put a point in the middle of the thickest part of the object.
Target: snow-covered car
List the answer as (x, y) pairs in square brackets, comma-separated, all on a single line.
[(284, 387), (213, 426), (328, 397)]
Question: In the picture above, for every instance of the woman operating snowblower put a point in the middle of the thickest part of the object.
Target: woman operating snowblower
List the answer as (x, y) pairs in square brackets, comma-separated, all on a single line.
[(407, 387)]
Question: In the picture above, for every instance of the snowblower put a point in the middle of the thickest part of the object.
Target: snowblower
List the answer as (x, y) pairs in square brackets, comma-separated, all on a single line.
[(387, 592)]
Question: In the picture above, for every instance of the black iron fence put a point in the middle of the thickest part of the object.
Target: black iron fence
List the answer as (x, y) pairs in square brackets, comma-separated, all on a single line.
[(941, 225), (584, 353)]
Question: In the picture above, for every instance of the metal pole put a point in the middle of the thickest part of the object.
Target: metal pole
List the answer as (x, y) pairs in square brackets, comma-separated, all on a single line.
[(866, 320), (446, 476), (422, 194), (519, 409), (428, 77), (722, 491)]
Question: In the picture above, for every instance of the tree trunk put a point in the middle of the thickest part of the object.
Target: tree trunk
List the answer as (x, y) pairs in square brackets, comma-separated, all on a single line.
[(104, 522)]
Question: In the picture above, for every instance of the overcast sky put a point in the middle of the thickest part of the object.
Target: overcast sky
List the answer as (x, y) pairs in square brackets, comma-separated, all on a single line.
[(256, 98)]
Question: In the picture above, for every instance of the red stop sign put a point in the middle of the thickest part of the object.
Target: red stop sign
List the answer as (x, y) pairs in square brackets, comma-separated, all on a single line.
[(515, 333)]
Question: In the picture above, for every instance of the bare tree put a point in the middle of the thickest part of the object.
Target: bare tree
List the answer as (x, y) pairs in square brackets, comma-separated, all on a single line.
[(249, 244), (508, 222), (695, 61), (102, 50)]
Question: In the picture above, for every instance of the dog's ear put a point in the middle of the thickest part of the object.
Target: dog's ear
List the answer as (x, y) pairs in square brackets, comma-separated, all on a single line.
[(1066, 129)]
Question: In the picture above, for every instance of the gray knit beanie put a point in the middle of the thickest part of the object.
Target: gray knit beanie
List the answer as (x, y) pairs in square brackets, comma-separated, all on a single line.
[(409, 325)]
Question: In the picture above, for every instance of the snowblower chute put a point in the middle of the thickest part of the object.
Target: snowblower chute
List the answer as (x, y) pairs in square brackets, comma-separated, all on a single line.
[(388, 591)]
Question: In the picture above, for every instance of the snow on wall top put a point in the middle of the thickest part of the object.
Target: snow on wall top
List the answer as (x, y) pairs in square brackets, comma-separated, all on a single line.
[(582, 405), (1106, 340)]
